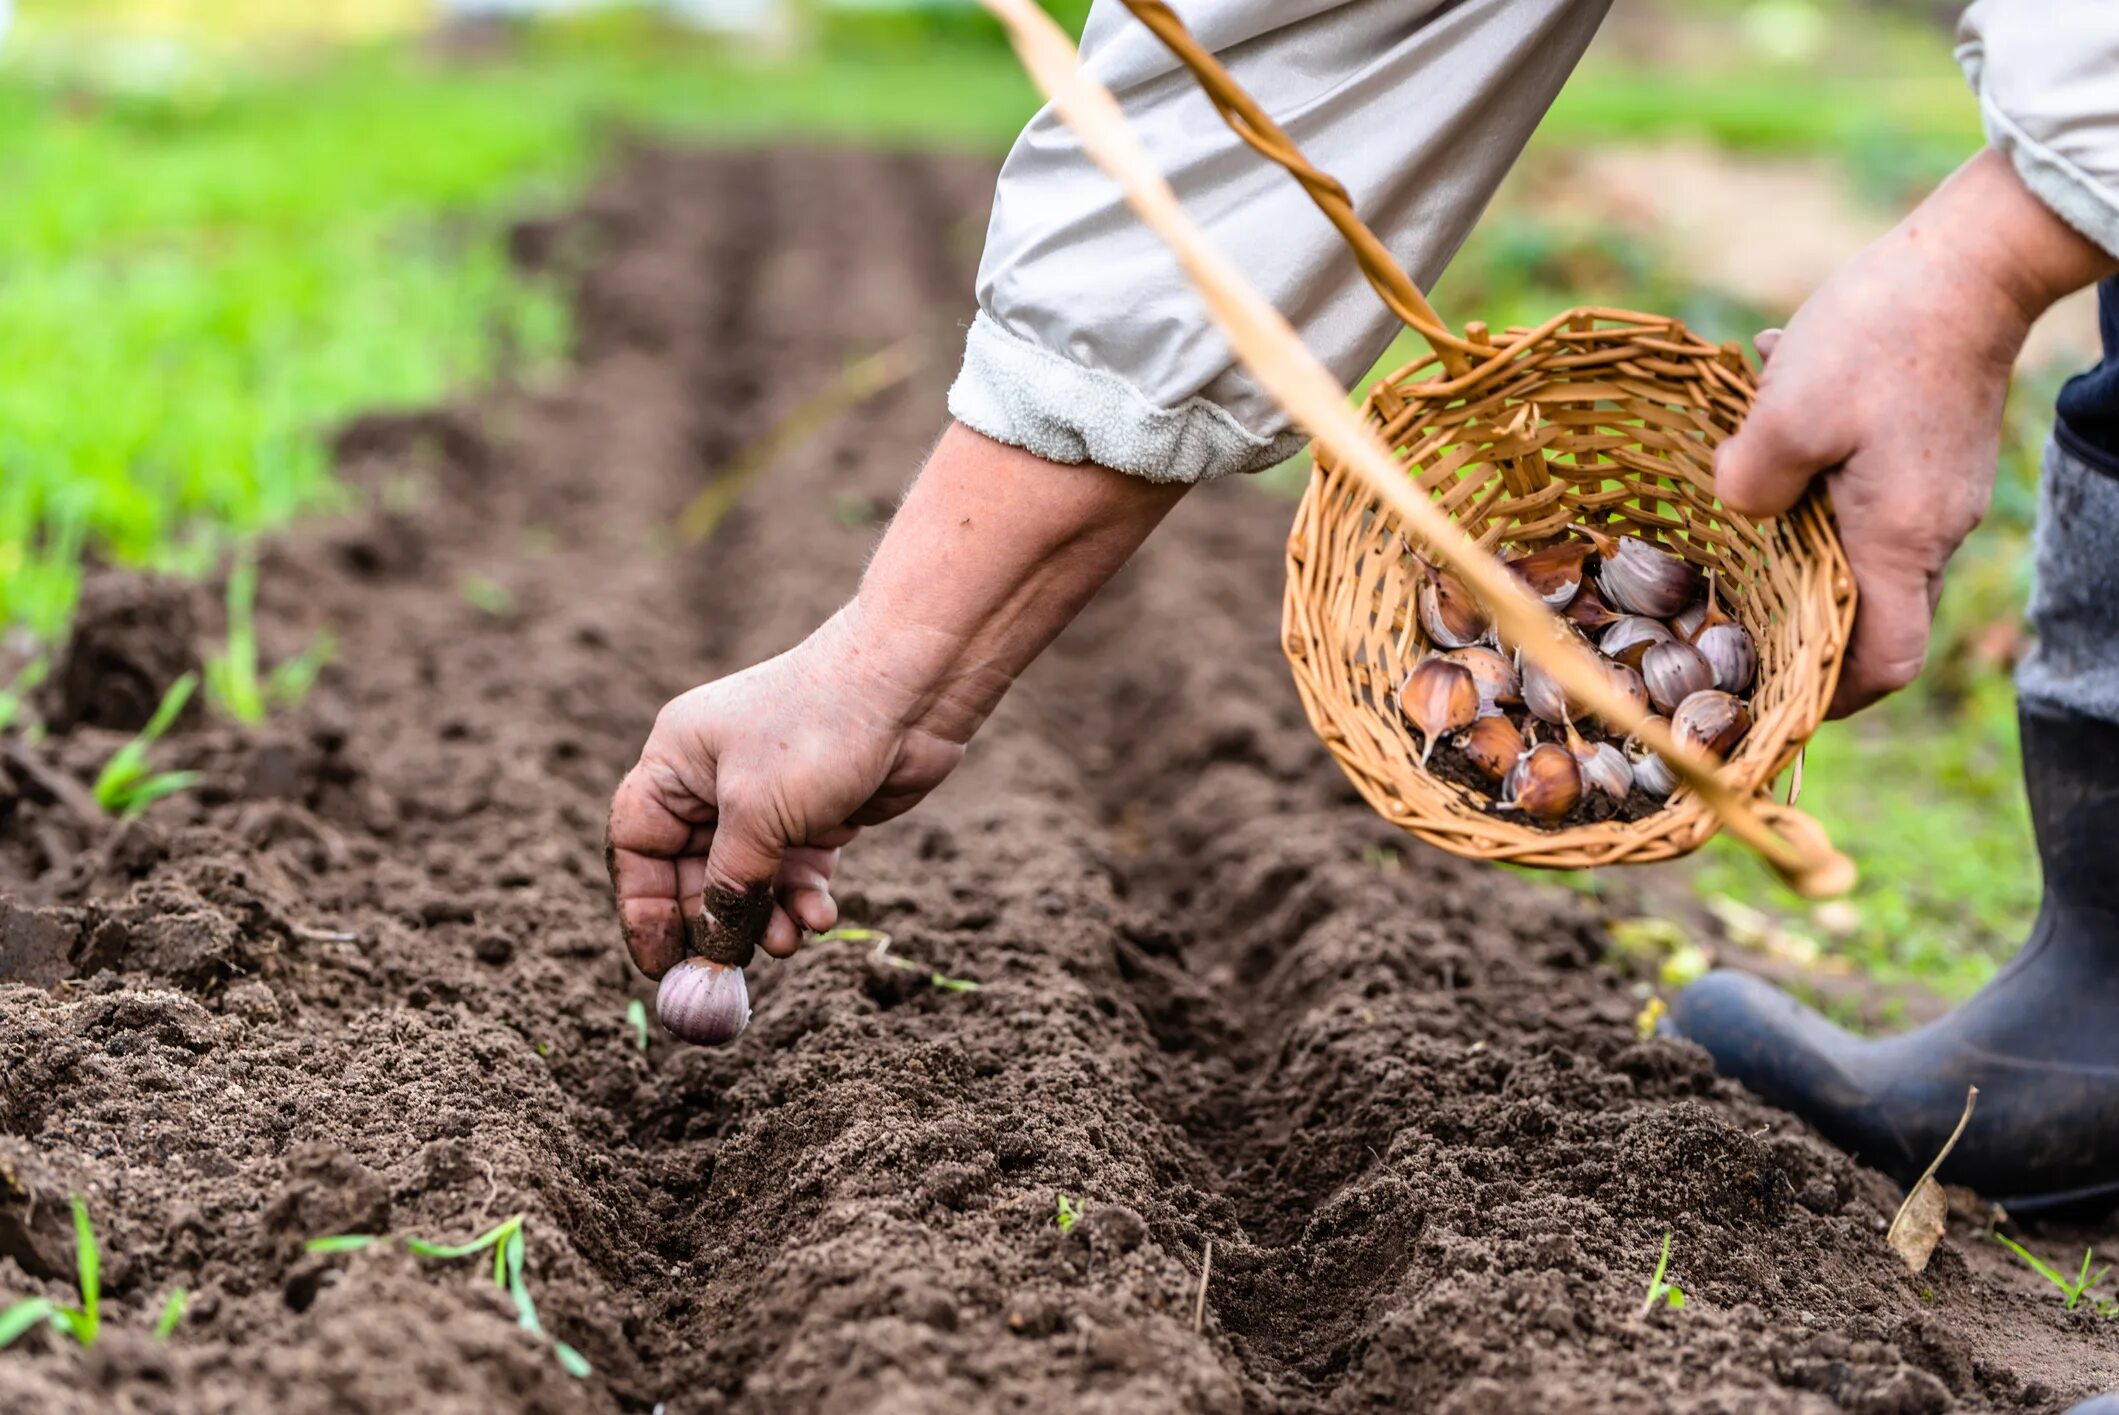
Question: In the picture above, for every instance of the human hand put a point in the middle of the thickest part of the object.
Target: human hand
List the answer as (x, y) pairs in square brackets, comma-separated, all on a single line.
[(1890, 382)]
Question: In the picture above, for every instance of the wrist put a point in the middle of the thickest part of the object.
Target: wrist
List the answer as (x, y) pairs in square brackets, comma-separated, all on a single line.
[(2015, 257)]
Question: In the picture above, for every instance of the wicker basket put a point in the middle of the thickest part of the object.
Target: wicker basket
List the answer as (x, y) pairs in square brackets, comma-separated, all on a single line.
[(1615, 419), (1598, 417)]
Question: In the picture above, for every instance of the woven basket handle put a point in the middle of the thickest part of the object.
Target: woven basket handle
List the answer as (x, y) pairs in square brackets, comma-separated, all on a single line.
[(1265, 137), (1287, 370)]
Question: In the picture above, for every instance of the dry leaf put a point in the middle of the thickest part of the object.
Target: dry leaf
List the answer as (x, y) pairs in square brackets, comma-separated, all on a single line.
[(1920, 1224)]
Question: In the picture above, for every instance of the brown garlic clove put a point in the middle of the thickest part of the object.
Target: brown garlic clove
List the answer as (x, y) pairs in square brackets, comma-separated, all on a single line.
[(1545, 784), (1492, 745), (1642, 578), (1438, 697), (1673, 673), (1730, 653), (1553, 574), (1588, 611), (1499, 684), (1630, 636), (1711, 720), (1449, 612)]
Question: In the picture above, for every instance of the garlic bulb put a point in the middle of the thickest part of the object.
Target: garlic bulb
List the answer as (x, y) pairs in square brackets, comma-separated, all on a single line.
[(1630, 636), (1438, 697), (1545, 784), (1641, 578), (1499, 684), (1673, 673), (1449, 612), (1492, 745), (1553, 574), (1728, 649), (1712, 720), (702, 1002)]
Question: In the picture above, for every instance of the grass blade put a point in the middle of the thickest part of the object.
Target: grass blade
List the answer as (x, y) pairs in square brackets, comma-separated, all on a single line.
[(572, 1361), (346, 1243), (172, 1313), (636, 1014), (464, 1250), (88, 1267), (20, 1318)]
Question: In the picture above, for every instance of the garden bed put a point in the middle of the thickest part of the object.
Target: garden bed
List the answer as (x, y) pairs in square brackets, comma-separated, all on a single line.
[(365, 979)]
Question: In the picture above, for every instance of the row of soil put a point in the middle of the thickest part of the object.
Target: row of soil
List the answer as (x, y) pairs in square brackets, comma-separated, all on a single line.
[(365, 978)]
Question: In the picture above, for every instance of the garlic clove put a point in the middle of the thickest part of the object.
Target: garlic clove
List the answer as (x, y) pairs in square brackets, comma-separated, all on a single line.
[(1438, 697), (1642, 578), (1628, 682), (1545, 784), (1673, 672), (1543, 695), (1449, 613), (1492, 745), (1730, 653), (1630, 636), (1499, 683), (702, 1002), (1654, 776), (1553, 574), (1587, 610), (1712, 720)]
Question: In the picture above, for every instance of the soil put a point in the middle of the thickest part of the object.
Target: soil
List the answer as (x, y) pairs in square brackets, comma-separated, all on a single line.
[(366, 979)]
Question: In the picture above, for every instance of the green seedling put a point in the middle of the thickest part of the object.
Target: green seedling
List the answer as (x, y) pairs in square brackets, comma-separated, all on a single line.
[(939, 981), (1660, 1290), (232, 681), (486, 595), (125, 787), (506, 1242), (14, 698), (172, 1313), (2072, 1291), (82, 1322), (1070, 1214), (636, 1015)]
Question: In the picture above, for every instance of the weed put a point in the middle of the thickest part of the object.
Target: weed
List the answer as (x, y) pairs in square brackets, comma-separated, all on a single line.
[(2073, 1291), (1660, 1291), (1070, 1214), (940, 981), (125, 787), (506, 1241), (636, 1015), (232, 680), (172, 1313), (82, 1322)]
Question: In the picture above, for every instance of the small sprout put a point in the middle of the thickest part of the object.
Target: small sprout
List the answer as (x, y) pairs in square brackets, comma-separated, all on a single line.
[(82, 1322), (1383, 857), (1650, 1017), (636, 1017), (14, 698), (2073, 1291), (509, 1266), (232, 681), (172, 1313), (1070, 1214), (125, 787), (1660, 1291), (940, 982), (486, 595)]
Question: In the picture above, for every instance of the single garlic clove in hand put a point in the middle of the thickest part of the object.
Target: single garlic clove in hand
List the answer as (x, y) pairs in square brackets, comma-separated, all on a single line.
[(702, 1002)]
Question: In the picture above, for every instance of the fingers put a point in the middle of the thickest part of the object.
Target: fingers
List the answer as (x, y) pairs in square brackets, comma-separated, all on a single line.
[(642, 842), (1766, 342), (1891, 623), (803, 887), (1765, 467)]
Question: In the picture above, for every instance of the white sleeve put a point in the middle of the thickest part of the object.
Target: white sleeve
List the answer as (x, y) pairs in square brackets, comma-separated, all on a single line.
[(2047, 76), (1089, 344)]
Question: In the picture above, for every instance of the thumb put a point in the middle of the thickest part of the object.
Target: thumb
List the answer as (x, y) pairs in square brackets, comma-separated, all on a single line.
[(738, 906), (1783, 442)]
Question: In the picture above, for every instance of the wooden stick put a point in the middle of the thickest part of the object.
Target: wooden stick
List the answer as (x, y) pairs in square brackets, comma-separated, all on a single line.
[(1287, 369), (1199, 1309)]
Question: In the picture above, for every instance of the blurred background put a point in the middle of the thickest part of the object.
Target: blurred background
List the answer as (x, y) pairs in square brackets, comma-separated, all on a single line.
[(229, 225)]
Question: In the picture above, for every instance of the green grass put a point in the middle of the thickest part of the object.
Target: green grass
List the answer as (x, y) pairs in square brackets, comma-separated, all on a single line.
[(127, 784), (82, 1323)]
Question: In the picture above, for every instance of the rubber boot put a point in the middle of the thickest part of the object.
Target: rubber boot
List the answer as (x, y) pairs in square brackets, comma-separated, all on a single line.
[(2041, 1041)]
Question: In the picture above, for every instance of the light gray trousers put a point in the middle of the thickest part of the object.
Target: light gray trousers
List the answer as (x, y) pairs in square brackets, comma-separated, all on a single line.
[(2075, 604)]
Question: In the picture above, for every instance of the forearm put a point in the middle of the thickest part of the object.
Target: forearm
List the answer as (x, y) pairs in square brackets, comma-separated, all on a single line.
[(1998, 251), (992, 554)]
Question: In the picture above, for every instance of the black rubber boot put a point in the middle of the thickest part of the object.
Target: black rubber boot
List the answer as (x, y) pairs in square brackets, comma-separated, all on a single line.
[(2041, 1041)]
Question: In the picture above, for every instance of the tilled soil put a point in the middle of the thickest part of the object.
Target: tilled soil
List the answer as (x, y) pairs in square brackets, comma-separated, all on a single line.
[(366, 979)]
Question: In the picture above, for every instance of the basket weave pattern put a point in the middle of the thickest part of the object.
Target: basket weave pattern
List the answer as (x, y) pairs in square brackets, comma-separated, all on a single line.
[(1599, 417)]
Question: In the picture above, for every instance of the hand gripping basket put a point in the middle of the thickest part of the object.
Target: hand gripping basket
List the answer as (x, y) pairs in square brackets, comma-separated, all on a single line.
[(1493, 444)]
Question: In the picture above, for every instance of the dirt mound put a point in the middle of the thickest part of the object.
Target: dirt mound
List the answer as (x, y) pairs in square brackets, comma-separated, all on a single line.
[(366, 979)]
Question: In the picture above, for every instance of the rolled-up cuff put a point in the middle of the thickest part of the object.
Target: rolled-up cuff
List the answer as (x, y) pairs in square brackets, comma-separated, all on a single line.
[(1019, 393), (2075, 662), (2080, 198)]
